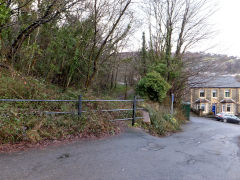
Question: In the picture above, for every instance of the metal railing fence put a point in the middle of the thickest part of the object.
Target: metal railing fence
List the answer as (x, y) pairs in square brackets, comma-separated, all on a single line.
[(80, 106)]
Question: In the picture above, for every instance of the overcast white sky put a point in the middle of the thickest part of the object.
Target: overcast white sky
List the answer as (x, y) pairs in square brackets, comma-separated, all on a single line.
[(226, 23)]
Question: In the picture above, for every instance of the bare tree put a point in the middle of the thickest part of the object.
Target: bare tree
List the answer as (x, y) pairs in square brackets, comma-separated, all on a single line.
[(177, 25), (112, 20)]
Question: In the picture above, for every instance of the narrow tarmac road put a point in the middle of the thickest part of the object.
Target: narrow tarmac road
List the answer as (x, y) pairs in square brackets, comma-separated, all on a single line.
[(206, 149)]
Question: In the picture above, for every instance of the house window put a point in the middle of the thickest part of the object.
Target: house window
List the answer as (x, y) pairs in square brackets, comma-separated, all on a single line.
[(203, 107), (214, 93), (223, 108), (202, 93), (229, 108), (227, 93), (198, 106)]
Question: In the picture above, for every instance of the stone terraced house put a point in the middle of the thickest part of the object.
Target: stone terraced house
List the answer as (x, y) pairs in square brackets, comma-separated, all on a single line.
[(220, 94)]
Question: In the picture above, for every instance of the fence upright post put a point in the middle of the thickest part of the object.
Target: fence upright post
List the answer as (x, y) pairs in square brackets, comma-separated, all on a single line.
[(80, 105), (134, 110)]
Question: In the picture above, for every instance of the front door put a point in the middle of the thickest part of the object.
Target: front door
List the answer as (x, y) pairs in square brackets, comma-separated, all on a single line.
[(214, 109)]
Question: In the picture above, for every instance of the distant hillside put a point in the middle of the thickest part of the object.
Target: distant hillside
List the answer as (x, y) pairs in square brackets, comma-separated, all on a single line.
[(196, 64), (216, 63), (223, 64)]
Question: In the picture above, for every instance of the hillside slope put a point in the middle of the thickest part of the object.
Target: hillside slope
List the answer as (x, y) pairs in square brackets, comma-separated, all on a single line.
[(214, 63), (26, 122)]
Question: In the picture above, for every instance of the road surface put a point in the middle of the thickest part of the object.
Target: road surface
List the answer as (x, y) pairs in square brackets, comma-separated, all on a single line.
[(206, 149)]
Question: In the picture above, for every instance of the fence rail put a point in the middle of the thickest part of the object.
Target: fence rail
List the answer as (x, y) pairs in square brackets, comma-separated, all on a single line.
[(80, 106), (84, 100)]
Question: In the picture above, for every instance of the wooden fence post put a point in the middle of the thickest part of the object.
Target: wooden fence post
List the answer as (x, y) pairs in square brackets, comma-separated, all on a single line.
[(134, 110), (80, 105)]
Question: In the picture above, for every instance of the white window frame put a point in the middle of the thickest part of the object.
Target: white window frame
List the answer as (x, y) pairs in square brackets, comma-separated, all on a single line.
[(202, 91), (227, 91), (198, 106), (229, 106), (203, 105), (224, 108), (214, 91)]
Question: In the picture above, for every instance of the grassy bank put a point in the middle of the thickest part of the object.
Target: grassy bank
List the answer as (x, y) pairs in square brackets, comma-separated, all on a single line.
[(162, 121), (24, 122)]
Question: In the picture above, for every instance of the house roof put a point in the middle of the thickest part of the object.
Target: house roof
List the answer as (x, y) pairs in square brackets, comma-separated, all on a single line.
[(227, 101), (217, 82), (202, 101)]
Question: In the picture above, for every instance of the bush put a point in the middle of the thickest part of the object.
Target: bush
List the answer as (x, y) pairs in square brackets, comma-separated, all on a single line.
[(162, 122), (153, 86)]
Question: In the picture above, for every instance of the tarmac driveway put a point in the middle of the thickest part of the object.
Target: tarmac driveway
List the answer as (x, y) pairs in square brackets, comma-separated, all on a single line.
[(206, 149)]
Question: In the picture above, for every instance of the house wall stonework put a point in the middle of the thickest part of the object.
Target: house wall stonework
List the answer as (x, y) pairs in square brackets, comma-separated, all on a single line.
[(208, 94)]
